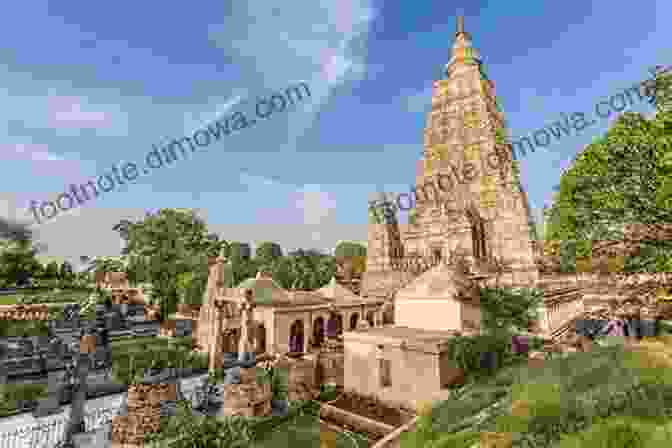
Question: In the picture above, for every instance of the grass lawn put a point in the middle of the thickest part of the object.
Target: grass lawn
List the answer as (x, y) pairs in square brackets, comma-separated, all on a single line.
[(144, 340), (46, 296), (582, 399), (144, 343), (304, 432)]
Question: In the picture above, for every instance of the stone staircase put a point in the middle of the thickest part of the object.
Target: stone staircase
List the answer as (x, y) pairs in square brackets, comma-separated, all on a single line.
[(563, 305)]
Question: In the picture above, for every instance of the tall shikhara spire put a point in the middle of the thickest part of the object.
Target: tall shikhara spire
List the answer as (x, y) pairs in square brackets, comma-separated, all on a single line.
[(467, 198)]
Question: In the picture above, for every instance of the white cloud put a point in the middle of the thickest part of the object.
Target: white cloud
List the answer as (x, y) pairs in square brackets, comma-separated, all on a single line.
[(323, 56), (318, 206), (34, 152), (70, 112), (62, 109)]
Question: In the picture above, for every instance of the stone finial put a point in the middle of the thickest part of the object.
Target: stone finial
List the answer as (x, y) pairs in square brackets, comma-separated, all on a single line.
[(460, 24)]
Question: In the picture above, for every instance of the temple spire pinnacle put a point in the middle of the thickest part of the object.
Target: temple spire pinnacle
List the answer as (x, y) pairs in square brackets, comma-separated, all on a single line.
[(463, 52)]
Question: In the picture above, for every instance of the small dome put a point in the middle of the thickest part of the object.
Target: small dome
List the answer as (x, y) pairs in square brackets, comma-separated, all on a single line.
[(265, 290)]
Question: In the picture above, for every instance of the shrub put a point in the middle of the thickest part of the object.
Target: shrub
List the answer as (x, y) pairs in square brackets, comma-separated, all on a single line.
[(192, 431), (465, 351), (328, 392), (506, 309), (13, 396)]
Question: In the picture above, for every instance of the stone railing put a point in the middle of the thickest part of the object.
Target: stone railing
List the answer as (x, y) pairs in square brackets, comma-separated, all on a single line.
[(50, 433), (561, 307), (415, 265)]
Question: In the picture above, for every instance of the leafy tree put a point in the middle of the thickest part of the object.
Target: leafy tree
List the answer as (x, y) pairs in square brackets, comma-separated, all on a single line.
[(191, 285), (619, 191), (170, 242), (237, 250), (506, 309), (267, 252), (303, 269), (282, 272), (351, 257), (14, 231), (52, 271), (348, 249), (18, 262), (66, 273), (99, 266)]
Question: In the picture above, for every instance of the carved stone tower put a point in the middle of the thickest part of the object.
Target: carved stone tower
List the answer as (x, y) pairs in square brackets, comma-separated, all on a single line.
[(384, 239), (468, 195)]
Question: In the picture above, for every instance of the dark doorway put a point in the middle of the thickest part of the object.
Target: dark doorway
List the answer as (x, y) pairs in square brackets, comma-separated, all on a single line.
[(318, 332), (370, 318), (353, 321), (261, 339), (296, 337)]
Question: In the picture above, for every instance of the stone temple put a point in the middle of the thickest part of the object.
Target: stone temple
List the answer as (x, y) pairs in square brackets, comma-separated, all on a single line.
[(468, 197)]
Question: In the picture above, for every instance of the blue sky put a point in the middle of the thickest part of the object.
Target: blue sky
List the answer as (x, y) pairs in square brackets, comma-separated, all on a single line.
[(86, 85)]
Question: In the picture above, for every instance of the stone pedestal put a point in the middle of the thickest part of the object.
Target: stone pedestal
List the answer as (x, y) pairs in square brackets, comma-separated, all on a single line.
[(330, 366), (248, 399), (144, 413), (301, 377)]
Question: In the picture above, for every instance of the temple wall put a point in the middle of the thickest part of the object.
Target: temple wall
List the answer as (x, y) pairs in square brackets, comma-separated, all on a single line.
[(428, 314)]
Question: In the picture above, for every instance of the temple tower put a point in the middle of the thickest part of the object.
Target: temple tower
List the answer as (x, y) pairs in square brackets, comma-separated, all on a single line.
[(468, 194), (385, 248)]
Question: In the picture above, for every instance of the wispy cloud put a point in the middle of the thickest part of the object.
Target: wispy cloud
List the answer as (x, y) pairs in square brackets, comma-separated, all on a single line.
[(33, 152), (73, 112)]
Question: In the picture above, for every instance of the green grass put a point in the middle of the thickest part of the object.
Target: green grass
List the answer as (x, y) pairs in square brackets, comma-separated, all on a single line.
[(593, 394), (141, 341), (45, 296), (304, 432), (620, 433)]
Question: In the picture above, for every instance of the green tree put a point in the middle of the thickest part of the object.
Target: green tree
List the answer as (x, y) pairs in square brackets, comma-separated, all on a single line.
[(66, 273), (267, 252), (348, 249), (619, 189), (51, 272), (506, 309), (237, 250), (170, 242), (18, 262)]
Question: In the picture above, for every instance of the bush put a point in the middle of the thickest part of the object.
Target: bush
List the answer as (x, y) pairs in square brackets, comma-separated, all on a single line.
[(191, 430), (14, 396), (465, 351), (328, 392), (506, 309)]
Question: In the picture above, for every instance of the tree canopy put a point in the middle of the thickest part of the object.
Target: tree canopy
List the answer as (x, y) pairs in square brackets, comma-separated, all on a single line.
[(619, 189), (169, 243)]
